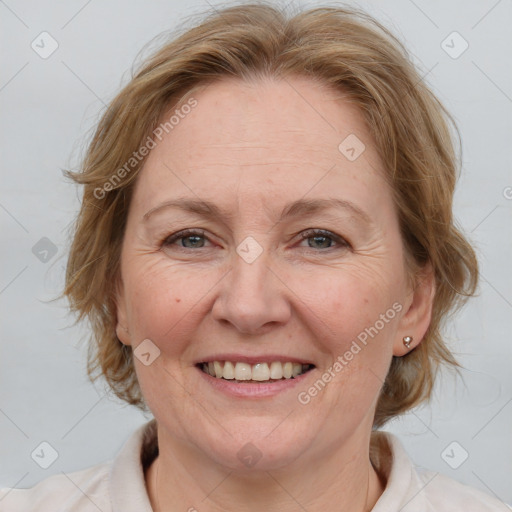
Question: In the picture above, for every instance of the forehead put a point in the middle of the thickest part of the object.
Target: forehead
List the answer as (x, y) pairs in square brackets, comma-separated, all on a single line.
[(262, 139), (283, 116)]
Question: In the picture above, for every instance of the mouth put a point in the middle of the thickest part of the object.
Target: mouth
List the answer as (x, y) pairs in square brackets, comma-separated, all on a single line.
[(242, 372)]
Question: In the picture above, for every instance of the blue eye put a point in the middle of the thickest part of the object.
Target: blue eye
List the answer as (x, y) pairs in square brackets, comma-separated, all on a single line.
[(323, 238), (191, 235), (195, 239)]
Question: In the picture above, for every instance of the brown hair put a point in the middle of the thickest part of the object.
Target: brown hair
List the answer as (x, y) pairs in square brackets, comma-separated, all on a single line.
[(345, 49)]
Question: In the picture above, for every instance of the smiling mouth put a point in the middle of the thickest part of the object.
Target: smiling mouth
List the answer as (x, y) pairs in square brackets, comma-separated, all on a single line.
[(259, 372)]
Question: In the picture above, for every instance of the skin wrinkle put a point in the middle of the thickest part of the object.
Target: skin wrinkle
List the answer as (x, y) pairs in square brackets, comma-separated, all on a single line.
[(293, 299)]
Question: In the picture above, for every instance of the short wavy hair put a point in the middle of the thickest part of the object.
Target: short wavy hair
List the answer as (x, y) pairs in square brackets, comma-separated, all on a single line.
[(344, 48)]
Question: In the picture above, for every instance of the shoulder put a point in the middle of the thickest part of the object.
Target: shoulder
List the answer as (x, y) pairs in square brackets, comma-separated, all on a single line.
[(447, 494), (117, 484), (78, 491), (409, 489)]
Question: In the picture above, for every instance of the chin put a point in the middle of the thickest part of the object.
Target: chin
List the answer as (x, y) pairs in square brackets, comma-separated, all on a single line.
[(256, 446)]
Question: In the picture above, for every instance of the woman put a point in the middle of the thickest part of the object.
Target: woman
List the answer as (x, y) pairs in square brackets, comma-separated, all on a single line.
[(266, 252)]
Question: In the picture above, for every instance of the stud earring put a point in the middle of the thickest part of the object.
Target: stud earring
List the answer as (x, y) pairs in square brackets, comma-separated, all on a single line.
[(407, 341)]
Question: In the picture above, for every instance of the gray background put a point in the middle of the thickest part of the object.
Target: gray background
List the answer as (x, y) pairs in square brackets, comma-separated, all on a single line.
[(48, 109)]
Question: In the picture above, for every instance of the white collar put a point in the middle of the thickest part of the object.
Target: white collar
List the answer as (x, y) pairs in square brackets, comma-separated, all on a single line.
[(406, 490), (128, 489)]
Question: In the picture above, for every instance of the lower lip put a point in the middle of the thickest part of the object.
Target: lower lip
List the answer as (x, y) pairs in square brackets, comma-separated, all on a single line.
[(252, 390)]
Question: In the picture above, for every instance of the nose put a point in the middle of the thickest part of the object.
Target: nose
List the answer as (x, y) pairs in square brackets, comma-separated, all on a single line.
[(253, 298)]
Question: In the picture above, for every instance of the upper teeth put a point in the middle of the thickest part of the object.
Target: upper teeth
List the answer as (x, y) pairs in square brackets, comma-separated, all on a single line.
[(258, 371)]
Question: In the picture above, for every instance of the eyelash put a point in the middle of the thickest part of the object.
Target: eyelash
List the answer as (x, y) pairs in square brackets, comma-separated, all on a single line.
[(304, 235)]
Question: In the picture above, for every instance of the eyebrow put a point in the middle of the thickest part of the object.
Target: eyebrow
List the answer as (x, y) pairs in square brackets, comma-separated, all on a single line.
[(300, 207)]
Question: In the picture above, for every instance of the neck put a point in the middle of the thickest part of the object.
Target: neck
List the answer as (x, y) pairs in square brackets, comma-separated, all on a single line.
[(342, 479)]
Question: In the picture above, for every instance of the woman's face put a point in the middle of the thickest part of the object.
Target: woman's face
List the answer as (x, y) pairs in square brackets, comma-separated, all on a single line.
[(298, 259)]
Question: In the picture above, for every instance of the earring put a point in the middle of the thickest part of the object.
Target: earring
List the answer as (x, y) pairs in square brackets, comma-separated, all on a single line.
[(407, 341)]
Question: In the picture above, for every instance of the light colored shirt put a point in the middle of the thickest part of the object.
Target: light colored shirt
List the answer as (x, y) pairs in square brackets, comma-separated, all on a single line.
[(119, 485)]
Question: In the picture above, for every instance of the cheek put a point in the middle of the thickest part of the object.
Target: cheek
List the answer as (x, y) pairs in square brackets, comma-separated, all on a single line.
[(353, 320), (166, 300), (350, 302)]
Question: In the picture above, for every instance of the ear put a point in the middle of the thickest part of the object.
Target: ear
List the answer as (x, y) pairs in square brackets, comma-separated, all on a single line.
[(416, 320), (121, 317)]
